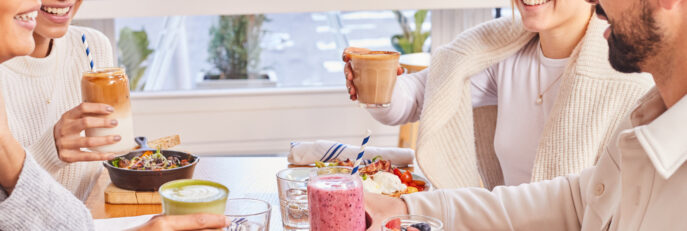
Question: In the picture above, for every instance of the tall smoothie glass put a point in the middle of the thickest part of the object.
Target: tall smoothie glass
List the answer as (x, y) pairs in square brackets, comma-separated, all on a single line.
[(110, 86), (335, 200)]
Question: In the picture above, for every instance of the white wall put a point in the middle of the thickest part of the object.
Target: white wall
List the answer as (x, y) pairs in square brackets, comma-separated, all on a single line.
[(255, 121)]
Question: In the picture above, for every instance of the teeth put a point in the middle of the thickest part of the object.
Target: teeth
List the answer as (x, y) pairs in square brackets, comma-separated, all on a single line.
[(534, 2), (56, 11), (31, 16)]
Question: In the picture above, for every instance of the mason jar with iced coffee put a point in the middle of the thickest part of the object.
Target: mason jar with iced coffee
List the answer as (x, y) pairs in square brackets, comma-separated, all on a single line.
[(110, 86), (374, 75)]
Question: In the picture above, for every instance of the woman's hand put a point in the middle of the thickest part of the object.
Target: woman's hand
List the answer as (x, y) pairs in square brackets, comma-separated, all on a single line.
[(381, 207), (185, 222), (348, 70), (68, 130)]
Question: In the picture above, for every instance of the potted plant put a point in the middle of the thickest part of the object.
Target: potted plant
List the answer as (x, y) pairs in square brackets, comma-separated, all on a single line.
[(411, 41), (134, 51), (235, 53)]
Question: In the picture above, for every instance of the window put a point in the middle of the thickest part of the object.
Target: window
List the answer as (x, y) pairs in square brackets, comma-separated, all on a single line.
[(277, 50)]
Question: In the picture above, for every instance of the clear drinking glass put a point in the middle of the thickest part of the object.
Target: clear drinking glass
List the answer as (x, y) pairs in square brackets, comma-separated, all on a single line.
[(375, 77), (248, 214), (408, 220), (293, 197), (110, 86)]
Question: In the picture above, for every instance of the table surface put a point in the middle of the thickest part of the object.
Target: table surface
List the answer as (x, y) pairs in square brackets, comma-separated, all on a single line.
[(252, 177)]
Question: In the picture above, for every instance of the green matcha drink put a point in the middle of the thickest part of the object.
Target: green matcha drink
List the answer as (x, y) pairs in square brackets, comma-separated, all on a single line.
[(182, 197)]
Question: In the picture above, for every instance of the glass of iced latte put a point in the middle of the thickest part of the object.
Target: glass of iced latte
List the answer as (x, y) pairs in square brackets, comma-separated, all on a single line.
[(110, 86), (375, 75)]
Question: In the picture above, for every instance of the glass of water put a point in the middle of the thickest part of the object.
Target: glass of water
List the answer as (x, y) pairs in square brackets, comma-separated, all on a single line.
[(248, 214), (293, 197)]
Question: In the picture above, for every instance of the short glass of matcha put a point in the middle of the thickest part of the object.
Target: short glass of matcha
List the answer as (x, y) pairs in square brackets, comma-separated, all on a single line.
[(189, 196)]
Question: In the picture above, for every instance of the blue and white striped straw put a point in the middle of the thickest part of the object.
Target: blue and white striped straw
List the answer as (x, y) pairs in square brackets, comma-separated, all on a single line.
[(362, 151), (88, 52)]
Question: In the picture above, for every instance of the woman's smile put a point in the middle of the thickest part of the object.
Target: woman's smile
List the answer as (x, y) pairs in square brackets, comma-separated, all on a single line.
[(534, 4), (27, 19), (57, 13)]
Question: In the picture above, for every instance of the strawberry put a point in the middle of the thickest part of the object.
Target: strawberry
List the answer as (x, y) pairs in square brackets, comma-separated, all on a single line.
[(394, 224)]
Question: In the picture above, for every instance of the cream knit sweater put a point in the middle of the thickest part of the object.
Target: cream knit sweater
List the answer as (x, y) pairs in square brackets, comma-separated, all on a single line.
[(38, 91), (39, 203), (455, 145)]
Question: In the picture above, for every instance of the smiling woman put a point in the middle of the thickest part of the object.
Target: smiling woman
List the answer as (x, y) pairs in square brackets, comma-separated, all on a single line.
[(17, 22), (46, 85), (26, 189)]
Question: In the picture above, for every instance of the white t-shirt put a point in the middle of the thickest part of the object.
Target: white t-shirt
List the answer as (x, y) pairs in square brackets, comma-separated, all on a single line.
[(513, 85)]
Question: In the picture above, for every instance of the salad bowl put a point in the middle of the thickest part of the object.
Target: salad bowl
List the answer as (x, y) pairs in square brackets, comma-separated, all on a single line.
[(149, 180)]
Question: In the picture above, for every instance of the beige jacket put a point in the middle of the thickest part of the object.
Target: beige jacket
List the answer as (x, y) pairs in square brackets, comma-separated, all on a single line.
[(592, 99), (639, 183)]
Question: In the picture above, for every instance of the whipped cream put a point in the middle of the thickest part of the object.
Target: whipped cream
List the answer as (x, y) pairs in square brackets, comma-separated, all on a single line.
[(383, 183)]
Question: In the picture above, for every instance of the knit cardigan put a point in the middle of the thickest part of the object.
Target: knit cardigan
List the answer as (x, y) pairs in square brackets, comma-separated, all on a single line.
[(455, 144)]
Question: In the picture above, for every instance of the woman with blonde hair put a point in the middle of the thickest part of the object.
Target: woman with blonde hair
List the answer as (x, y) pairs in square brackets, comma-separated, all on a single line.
[(515, 100)]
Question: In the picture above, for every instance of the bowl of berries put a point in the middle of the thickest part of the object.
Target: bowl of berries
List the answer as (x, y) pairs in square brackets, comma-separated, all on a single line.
[(412, 223)]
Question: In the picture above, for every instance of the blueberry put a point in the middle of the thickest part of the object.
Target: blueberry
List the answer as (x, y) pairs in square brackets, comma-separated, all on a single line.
[(422, 226)]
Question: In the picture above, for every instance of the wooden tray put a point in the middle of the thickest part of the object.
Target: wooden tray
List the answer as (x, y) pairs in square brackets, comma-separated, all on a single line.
[(115, 195)]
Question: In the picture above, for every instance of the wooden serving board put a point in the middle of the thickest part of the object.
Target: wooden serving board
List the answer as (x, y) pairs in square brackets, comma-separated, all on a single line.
[(116, 195)]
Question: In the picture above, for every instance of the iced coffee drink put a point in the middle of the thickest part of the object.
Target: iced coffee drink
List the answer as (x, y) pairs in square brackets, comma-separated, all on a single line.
[(374, 74), (110, 86)]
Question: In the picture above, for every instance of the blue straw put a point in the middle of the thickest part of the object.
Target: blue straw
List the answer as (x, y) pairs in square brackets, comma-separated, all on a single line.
[(359, 158), (88, 52)]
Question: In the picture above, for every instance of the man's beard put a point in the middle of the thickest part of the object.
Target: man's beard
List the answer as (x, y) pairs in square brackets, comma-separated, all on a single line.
[(638, 41)]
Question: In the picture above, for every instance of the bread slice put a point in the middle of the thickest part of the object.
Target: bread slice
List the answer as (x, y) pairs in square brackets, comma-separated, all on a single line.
[(165, 142)]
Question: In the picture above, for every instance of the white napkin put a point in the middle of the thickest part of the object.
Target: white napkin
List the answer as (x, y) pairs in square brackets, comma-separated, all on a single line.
[(121, 223), (305, 153)]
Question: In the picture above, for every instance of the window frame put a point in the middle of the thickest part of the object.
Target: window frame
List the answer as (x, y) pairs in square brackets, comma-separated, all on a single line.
[(107, 9)]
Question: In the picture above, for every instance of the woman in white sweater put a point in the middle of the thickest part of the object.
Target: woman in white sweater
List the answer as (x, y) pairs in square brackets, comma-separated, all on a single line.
[(546, 74), (29, 198), (44, 98)]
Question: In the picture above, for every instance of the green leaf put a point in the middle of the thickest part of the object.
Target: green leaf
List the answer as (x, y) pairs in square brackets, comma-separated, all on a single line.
[(134, 51), (410, 42), (235, 45)]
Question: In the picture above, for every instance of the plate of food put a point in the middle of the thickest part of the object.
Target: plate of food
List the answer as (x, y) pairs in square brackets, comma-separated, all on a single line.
[(146, 169), (382, 178)]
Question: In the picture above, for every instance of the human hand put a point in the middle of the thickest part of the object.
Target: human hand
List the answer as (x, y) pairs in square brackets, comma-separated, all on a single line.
[(185, 222), (348, 70), (381, 207), (68, 130)]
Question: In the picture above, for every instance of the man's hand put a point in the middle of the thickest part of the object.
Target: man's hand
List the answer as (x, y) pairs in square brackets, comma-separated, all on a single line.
[(68, 130), (185, 222), (381, 207)]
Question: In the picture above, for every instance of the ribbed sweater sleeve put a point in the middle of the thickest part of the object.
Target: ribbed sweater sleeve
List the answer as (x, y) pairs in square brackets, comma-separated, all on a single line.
[(40, 203), (406, 101)]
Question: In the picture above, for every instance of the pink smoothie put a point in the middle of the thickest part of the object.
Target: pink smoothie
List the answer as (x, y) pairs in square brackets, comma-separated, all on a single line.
[(336, 203)]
